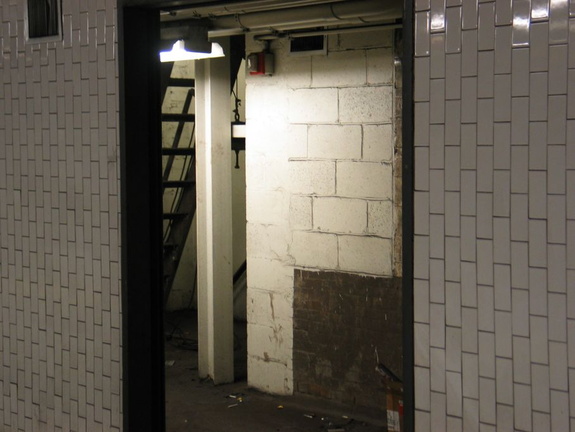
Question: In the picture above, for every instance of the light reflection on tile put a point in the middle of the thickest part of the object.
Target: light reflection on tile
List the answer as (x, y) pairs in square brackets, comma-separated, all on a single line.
[(437, 16), (539, 10), (521, 23), (437, 22)]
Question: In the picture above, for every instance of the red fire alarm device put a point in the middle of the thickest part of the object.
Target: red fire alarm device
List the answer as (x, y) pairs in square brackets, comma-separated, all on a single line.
[(261, 63)]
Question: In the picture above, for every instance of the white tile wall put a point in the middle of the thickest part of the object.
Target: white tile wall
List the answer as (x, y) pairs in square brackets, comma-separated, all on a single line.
[(319, 178), (493, 171), (59, 223)]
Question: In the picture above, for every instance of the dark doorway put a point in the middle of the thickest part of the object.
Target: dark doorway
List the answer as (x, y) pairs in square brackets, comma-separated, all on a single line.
[(143, 381)]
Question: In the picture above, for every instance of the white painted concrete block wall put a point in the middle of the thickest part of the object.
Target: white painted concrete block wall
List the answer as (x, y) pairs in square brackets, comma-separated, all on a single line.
[(494, 216), (60, 329), (319, 182)]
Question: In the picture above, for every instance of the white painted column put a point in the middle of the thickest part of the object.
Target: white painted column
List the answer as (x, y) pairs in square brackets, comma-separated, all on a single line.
[(214, 215)]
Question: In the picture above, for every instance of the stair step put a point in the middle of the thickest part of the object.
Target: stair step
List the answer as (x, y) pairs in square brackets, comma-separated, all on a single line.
[(178, 117), (182, 82), (176, 215), (177, 183), (177, 151)]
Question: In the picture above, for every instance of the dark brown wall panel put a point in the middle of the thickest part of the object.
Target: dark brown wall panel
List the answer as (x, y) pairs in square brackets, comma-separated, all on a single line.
[(344, 323)]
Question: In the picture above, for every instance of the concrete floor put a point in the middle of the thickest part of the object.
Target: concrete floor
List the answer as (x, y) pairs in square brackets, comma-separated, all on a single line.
[(196, 405)]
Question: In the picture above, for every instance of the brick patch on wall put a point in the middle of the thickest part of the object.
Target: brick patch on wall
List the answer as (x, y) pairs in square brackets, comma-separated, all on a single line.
[(340, 321)]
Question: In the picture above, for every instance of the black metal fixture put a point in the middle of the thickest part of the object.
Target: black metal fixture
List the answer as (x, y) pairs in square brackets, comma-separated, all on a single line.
[(238, 129)]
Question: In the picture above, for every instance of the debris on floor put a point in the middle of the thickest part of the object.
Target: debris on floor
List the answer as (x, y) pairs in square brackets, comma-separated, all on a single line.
[(347, 424), (194, 402)]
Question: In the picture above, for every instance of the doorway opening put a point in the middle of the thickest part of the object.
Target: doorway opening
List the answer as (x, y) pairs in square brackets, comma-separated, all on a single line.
[(296, 204)]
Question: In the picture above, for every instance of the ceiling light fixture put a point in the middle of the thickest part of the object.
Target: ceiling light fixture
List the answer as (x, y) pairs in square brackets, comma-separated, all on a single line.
[(179, 53)]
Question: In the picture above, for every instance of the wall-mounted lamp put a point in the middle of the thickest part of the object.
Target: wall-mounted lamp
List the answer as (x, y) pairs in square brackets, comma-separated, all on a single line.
[(179, 52)]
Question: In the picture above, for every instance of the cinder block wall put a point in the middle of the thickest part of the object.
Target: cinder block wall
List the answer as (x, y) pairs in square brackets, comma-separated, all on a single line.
[(494, 216), (319, 182), (60, 362)]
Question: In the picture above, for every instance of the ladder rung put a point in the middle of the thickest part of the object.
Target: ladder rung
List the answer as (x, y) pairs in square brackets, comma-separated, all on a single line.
[(174, 215), (177, 183), (182, 82), (177, 117), (177, 151)]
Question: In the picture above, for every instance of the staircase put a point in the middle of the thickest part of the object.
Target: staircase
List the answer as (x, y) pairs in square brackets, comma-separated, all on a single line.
[(179, 173), (178, 178)]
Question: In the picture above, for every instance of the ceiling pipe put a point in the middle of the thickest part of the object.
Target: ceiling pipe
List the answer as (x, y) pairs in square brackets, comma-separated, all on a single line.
[(362, 10), (227, 8), (339, 13), (339, 30), (382, 20)]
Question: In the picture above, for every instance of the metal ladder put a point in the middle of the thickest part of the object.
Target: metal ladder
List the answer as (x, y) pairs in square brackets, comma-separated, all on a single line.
[(178, 179), (178, 220)]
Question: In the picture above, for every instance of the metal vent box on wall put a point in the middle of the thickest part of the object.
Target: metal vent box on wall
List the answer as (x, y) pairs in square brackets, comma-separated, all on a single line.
[(43, 20), (308, 45)]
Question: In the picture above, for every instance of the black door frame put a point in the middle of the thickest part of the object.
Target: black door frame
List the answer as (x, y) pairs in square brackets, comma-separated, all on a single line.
[(141, 203), (408, 167), (141, 207)]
